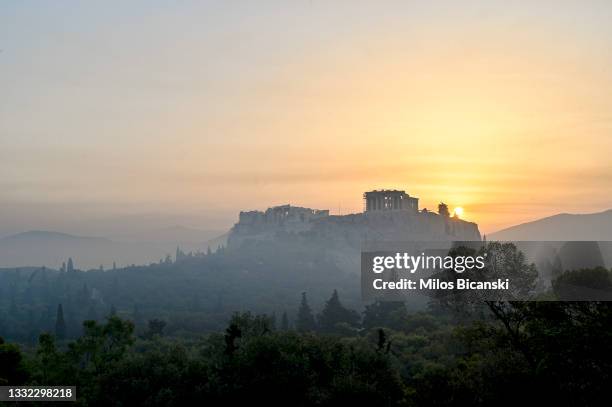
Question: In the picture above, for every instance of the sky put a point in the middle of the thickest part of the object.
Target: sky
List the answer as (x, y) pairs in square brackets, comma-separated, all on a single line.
[(116, 116)]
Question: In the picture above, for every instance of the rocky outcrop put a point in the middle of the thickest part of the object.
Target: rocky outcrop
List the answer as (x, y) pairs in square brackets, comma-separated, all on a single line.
[(352, 230)]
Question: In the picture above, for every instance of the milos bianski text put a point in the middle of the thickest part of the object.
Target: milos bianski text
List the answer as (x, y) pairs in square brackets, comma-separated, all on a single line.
[(437, 284)]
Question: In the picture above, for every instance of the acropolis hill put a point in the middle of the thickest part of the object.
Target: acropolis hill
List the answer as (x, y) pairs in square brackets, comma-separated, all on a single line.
[(390, 215)]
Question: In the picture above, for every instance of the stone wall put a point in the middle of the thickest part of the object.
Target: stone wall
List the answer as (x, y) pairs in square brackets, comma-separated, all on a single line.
[(350, 229)]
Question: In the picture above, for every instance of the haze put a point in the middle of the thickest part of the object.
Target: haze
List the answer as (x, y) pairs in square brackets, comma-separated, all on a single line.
[(116, 116)]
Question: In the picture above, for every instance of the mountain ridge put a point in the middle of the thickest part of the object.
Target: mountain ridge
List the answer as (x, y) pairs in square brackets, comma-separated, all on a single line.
[(562, 226), (50, 234)]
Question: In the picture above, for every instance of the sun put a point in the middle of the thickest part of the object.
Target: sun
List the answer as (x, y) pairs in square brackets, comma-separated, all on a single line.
[(459, 212)]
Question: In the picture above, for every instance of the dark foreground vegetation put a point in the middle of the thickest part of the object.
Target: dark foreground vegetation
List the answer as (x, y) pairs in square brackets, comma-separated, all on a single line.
[(513, 354), (456, 351)]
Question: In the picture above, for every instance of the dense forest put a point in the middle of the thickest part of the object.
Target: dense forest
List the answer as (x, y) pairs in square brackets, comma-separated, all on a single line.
[(548, 352), (195, 294), (306, 350)]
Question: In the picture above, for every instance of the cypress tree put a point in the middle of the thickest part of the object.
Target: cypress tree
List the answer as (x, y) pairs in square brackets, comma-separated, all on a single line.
[(305, 320), (284, 322), (70, 266), (272, 321), (92, 315), (136, 316), (60, 324), (335, 313)]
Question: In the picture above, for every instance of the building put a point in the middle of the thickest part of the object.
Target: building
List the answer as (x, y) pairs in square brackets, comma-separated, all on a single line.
[(390, 200), (390, 215), (282, 214)]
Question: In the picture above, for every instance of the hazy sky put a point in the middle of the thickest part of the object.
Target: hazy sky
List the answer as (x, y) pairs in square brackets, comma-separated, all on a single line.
[(188, 112)]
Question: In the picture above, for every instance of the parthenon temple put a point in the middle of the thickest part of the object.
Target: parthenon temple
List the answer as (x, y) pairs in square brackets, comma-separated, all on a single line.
[(390, 200)]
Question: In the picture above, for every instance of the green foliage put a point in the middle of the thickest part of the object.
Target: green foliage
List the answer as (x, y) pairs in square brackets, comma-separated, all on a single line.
[(51, 365), (12, 368), (278, 368), (305, 321), (252, 325), (502, 353), (195, 296), (60, 324), (70, 266), (584, 284), (550, 352), (335, 318), (101, 344), (155, 328), (504, 261), (284, 322), (385, 313), (289, 369)]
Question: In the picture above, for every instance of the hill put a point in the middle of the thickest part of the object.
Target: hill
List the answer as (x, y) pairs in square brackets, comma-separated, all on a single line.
[(592, 226), (51, 249)]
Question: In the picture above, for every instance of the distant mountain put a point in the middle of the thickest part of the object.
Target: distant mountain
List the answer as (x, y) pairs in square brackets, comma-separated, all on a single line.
[(174, 234), (41, 247), (46, 236), (51, 249), (592, 226)]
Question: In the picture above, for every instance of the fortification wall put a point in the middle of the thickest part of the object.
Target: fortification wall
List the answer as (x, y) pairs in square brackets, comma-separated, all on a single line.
[(353, 229)]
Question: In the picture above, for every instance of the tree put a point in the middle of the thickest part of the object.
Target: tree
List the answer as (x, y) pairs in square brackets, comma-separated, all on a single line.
[(566, 346), (334, 315), (50, 363), (503, 261), (136, 315), (83, 296), (585, 284), (557, 266), (179, 254), (92, 315), (70, 266), (383, 343), (60, 324), (232, 333), (101, 345), (284, 322), (155, 328), (272, 320), (12, 370), (390, 314), (252, 325), (305, 320)]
